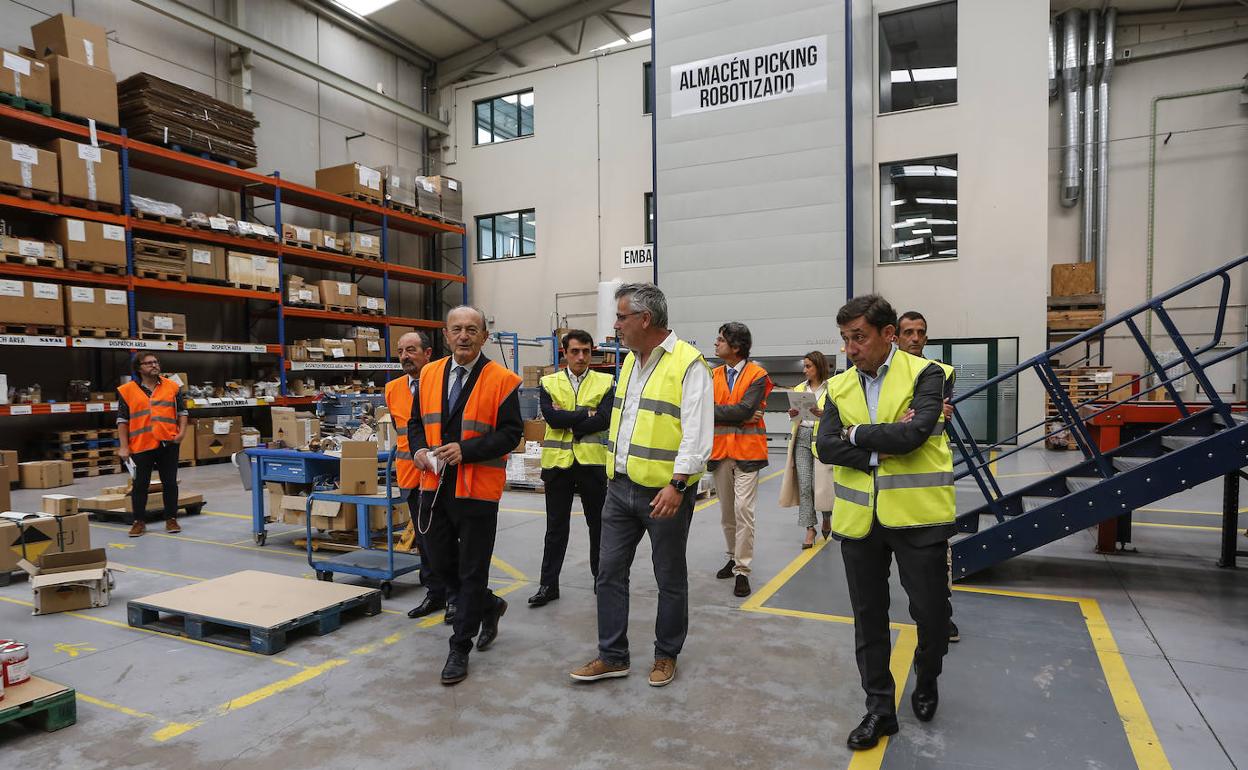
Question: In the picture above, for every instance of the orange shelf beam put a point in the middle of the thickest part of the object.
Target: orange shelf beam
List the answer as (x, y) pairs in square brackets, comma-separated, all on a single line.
[(419, 275), (206, 236), (298, 255), (56, 124), (302, 196), (55, 209), (356, 319), (61, 274), (420, 323), (204, 289)]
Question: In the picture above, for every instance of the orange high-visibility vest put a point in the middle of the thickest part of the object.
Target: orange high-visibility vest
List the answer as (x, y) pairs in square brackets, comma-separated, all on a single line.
[(400, 403), (152, 419), (740, 442), (477, 481)]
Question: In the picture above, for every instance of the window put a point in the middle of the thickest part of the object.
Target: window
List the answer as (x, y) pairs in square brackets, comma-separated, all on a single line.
[(507, 236), (505, 117), (647, 90), (649, 225), (919, 57), (919, 210)]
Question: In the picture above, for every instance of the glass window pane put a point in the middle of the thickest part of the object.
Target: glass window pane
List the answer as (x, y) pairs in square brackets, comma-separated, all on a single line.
[(649, 234), (526, 114), (919, 209), (506, 118), (528, 229), (919, 57), (485, 238), (647, 88), (507, 235), (485, 132)]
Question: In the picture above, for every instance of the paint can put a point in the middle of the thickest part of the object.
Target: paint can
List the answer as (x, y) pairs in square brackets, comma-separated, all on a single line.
[(14, 663)]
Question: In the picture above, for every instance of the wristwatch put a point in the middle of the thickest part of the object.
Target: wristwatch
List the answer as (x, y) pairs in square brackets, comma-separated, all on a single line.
[(681, 486)]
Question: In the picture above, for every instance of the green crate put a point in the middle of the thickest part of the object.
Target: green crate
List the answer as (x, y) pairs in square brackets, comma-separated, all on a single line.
[(48, 714)]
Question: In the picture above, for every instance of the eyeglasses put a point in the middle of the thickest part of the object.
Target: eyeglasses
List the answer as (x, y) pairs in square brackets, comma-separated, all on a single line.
[(621, 316)]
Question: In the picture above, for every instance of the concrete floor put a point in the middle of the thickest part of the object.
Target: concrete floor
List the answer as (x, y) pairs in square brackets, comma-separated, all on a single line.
[(1038, 680)]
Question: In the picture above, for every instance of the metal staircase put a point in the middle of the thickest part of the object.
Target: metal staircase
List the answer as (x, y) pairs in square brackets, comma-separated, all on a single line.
[(1207, 442)]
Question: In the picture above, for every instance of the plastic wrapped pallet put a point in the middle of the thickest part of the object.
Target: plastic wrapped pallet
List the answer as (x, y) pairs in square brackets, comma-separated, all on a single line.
[(428, 202), (452, 197), (398, 181)]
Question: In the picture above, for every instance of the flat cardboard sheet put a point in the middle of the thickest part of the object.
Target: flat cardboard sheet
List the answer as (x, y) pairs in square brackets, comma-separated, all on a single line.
[(31, 690), (254, 598)]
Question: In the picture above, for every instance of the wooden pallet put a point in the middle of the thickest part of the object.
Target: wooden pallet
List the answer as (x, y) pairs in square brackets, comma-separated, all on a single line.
[(363, 198), (254, 287), (211, 281), (89, 331), (146, 247), (90, 205), (343, 309), (101, 470), (151, 217), (361, 255), (95, 267), (21, 259), (32, 330), (29, 193), (56, 706), (160, 275), (173, 612), (70, 436), (55, 445), (366, 311), (164, 336), (198, 461), (299, 243), (22, 103), (1075, 319), (73, 455)]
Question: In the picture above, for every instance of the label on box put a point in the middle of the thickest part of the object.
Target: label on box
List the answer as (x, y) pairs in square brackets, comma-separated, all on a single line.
[(243, 227), (374, 346), (24, 153), (89, 48), (95, 407), (12, 289), (259, 264), (222, 427), (337, 352), (201, 256), (367, 241), (163, 322), (302, 233), (305, 295), (370, 178), (88, 153), (345, 288), (45, 291), (81, 294), (427, 185), (20, 409), (1103, 378), (251, 441), (17, 63), (329, 241), (371, 303), (114, 232), (76, 229), (114, 297), (451, 183), (59, 408), (29, 248), (218, 223)]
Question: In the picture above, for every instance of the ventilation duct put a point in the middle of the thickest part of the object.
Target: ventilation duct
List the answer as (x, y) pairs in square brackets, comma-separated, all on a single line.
[(1091, 62), (1102, 150), (1072, 84)]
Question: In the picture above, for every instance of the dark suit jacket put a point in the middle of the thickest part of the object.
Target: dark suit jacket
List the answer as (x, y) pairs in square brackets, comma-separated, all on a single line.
[(897, 438), (508, 429)]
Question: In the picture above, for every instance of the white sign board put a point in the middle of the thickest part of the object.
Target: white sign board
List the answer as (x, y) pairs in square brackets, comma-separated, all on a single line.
[(795, 68), (637, 256)]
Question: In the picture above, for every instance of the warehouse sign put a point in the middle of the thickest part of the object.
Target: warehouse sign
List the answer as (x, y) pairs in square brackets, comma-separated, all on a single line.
[(795, 68), (637, 256)]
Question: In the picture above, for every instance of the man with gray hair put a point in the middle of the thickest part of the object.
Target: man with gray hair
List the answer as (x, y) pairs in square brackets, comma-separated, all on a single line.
[(662, 423)]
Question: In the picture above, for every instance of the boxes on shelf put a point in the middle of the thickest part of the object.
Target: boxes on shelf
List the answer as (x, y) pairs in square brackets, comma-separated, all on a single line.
[(452, 197), (396, 334), (22, 165), (206, 262), (26, 77), (32, 303), (171, 324), (76, 580), (254, 270), (368, 342), (301, 236), (339, 294), (372, 305), (88, 173), (399, 185), (46, 474), (82, 90), (217, 437), (351, 179), (363, 245), (326, 239), (294, 429), (30, 535), (95, 242), (333, 349), (300, 293), (97, 308), (31, 249), (428, 201), (72, 37)]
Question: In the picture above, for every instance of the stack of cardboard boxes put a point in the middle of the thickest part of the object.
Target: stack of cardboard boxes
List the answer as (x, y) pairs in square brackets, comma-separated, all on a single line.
[(76, 53), (298, 292), (31, 303), (96, 310), (295, 430), (368, 342), (84, 242), (254, 271), (164, 326), (339, 295), (217, 437), (206, 263), (54, 548), (352, 180)]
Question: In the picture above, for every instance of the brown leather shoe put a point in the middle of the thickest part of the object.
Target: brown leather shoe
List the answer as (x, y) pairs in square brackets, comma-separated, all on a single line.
[(598, 669), (663, 673), (138, 528), (172, 525)]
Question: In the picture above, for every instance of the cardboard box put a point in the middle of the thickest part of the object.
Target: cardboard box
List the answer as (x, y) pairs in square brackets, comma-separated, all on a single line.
[(23, 165), (371, 304), (339, 293), (72, 37), (77, 580), (370, 348), (29, 247), (452, 194), (350, 178), (31, 302), (186, 450), (96, 308), (364, 245), (217, 437), (254, 270), (86, 241), (326, 239), (300, 235), (396, 334), (334, 349), (25, 76), (88, 173), (8, 459), (60, 505), (534, 430), (173, 324), (532, 376), (6, 501), (206, 262), (428, 201), (357, 471), (1073, 279), (30, 535), (364, 333), (251, 438), (46, 474), (82, 90), (294, 429), (398, 181), (300, 293)]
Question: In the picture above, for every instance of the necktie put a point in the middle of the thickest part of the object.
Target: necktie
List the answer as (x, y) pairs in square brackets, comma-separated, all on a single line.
[(413, 384), (732, 376), (457, 384)]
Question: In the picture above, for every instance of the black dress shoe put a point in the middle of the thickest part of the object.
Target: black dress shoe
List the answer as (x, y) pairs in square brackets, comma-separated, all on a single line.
[(954, 636), (429, 606), (726, 572), (456, 668), (489, 625), (868, 733), (742, 588), (925, 701), (544, 595), (450, 614)]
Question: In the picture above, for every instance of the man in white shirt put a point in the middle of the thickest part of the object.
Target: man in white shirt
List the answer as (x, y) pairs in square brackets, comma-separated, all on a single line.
[(660, 436)]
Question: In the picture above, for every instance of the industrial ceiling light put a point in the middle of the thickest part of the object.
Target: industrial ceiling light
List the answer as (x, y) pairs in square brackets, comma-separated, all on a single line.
[(365, 7)]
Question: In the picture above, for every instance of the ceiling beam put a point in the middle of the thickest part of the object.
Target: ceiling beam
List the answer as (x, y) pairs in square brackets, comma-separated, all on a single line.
[(616, 28), (455, 67), (580, 39), (529, 20), (459, 25), (370, 31), (630, 14), (263, 48)]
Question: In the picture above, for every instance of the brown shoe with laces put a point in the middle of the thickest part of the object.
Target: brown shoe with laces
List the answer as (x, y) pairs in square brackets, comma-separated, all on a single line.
[(598, 669), (138, 528), (663, 673), (172, 526)]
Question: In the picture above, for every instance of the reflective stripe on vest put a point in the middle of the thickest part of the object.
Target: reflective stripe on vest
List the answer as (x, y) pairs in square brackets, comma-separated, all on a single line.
[(749, 440), (912, 490), (154, 418), (655, 440), (400, 403), (559, 445), (494, 383)]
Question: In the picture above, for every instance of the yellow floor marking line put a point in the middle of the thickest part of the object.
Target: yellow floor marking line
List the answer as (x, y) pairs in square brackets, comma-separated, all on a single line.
[(73, 650), (1175, 526), (270, 536), (899, 663), (226, 515), (992, 461), (1185, 510), (173, 727), (510, 570), (188, 539), (132, 568)]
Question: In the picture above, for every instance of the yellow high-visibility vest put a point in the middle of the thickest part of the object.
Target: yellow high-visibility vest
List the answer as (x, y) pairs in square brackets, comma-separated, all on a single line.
[(559, 446)]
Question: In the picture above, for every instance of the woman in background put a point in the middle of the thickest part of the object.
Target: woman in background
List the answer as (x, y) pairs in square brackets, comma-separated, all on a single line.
[(808, 482)]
